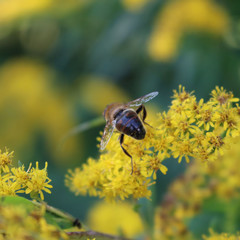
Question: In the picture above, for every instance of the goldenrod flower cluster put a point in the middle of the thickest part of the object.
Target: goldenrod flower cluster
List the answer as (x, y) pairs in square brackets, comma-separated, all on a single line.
[(222, 236), (197, 129), (189, 129), (219, 179), (180, 16), (15, 180), (17, 223)]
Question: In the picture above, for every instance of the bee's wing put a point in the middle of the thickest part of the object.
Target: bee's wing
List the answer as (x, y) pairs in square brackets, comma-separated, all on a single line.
[(108, 131), (143, 99)]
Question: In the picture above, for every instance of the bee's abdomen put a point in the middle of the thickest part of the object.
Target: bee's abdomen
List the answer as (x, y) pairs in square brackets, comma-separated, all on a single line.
[(130, 124)]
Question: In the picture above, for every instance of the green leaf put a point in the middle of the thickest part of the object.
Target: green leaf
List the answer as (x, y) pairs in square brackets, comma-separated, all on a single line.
[(59, 218), (60, 222), (214, 204), (56, 217), (17, 201), (53, 216), (201, 223)]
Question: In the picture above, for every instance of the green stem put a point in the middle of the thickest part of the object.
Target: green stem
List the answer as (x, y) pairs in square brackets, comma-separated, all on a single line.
[(61, 214), (82, 128), (77, 234)]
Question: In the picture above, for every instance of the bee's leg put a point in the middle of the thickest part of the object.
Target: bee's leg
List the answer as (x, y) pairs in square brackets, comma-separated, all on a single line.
[(142, 108), (125, 151)]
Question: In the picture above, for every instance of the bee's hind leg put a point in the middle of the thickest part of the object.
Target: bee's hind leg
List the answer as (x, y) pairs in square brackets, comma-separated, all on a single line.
[(143, 109), (125, 151)]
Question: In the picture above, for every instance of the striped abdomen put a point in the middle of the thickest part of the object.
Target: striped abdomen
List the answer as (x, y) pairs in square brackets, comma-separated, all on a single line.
[(129, 123)]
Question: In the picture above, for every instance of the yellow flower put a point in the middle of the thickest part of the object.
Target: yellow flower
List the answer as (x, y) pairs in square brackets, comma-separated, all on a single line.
[(14, 180), (163, 45), (221, 236), (102, 217), (180, 16), (8, 186), (5, 160), (181, 149), (189, 129), (205, 117), (221, 96), (38, 181), (20, 175), (110, 176)]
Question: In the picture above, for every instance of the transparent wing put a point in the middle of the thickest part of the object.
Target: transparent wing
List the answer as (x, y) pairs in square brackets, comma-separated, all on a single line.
[(108, 131), (143, 99)]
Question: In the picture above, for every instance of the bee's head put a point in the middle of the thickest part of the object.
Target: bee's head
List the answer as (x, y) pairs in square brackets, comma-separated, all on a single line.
[(105, 111), (110, 111)]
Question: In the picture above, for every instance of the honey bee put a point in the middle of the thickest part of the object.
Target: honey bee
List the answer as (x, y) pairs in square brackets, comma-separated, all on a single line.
[(126, 120)]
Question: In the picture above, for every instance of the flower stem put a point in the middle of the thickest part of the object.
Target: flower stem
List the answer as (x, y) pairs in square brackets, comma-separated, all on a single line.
[(61, 214)]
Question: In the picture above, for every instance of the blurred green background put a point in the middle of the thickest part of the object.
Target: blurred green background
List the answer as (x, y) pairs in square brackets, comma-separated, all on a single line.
[(61, 62)]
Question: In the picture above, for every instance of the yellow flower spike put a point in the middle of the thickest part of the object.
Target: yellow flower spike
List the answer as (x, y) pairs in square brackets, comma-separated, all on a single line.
[(189, 129), (8, 187), (5, 160), (20, 175), (220, 96), (180, 16), (14, 180), (38, 181), (221, 236), (163, 45), (17, 180)]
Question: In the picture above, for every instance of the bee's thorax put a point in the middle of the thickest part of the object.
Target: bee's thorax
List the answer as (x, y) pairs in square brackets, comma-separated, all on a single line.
[(112, 110)]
